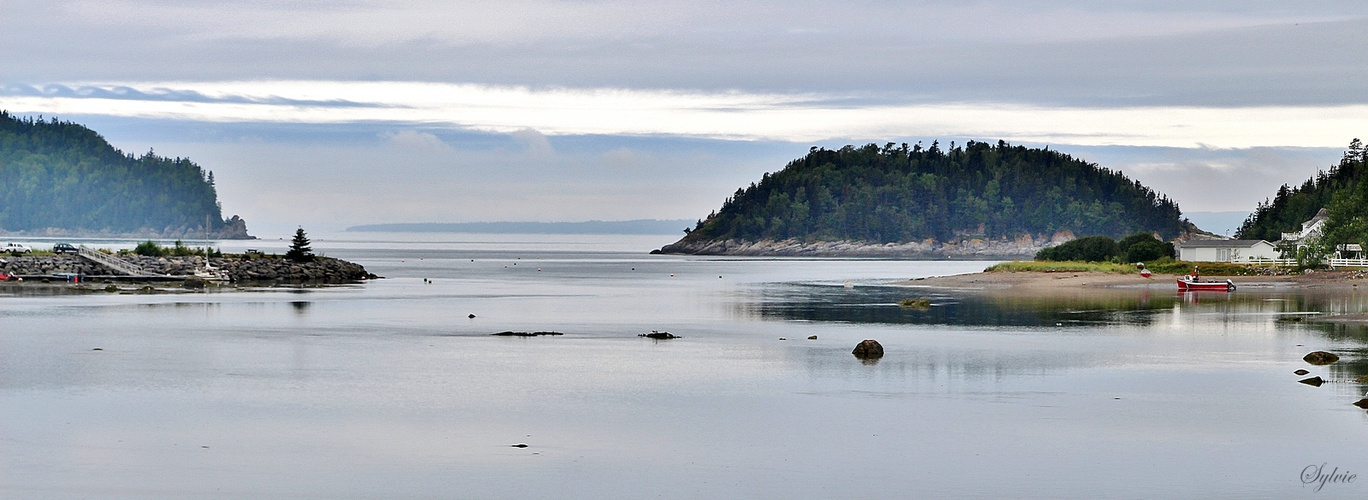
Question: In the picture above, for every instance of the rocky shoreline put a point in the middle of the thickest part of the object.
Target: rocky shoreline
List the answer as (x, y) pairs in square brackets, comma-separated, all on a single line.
[(238, 269), (967, 249)]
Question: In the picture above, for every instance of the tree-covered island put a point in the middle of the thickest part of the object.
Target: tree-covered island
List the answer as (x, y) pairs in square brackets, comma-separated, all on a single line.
[(61, 178), (975, 200)]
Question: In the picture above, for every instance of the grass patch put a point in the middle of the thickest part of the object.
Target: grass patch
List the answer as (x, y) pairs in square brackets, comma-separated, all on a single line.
[(1162, 266), (1062, 267)]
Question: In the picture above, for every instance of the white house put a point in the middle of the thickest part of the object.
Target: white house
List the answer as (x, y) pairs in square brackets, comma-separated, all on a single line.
[(1310, 230), (1226, 250)]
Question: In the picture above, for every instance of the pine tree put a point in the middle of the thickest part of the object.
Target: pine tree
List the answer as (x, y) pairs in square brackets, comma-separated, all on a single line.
[(300, 251)]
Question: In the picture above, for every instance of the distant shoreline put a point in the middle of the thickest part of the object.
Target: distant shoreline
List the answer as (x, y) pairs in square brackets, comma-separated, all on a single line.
[(638, 226)]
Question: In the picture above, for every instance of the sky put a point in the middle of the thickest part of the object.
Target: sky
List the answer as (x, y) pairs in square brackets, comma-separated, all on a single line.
[(339, 113)]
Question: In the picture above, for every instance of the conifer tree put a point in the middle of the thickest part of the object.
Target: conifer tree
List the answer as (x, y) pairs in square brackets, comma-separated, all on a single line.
[(300, 251)]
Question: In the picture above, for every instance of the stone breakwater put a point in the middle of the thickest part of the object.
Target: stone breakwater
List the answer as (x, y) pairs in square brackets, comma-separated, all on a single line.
[(321, 269), (1020, 248)]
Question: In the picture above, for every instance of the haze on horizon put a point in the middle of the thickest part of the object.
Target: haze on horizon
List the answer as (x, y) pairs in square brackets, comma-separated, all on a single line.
[(339, 114)]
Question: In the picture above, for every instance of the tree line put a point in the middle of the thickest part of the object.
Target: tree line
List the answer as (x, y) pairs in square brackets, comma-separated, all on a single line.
[(1336, 189), (900, 194), (57, 174)]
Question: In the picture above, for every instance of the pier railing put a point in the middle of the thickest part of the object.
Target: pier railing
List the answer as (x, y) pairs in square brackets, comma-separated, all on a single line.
[(111, 262)]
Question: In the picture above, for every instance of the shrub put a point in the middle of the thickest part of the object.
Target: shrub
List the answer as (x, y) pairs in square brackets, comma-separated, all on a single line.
[(1087, 249), (149, 248), (1141, 247)]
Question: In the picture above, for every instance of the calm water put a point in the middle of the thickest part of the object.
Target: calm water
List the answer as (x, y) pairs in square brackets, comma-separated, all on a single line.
[(389, 390)]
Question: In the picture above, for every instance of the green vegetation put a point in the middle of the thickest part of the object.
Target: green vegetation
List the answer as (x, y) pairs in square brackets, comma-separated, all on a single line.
[(62, 175), (1086, 249), (300, 251), (916, 303), (1138, 247), (1144, 247), (1062, 267), (1162, 266), (152, 249), (904, 194), (1339, 189)]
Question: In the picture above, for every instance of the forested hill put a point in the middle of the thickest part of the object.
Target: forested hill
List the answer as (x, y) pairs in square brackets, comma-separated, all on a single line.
[(895, 194), (62, 178), (1292, 206)]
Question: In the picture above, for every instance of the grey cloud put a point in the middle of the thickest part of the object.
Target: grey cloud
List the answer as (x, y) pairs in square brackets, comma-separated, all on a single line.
[(1132, 53)]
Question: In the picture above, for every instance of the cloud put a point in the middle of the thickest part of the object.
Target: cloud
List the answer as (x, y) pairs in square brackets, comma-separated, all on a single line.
[(535, 144), (792, 117), (413, 139), (1041, 52)]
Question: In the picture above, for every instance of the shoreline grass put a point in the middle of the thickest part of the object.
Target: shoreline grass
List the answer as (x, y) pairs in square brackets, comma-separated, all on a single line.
[(1163, 266)]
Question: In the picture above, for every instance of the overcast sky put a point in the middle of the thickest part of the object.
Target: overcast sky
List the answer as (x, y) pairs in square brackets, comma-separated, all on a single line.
[(331, 114)]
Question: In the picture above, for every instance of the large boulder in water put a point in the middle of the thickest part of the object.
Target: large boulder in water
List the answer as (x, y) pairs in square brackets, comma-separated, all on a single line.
[(1321, 358), (868, 349)]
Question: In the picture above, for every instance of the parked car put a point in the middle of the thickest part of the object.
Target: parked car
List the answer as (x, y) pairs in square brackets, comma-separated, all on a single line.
[(12, 247), (62, 248)]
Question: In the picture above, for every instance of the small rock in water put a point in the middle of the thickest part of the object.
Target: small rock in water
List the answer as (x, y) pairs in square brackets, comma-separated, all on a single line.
[(1301, 372), (472, 316), (98, 349), (1313, 381), (525, 334), (520, 445), (1321, 358), (782, 338), (812, 337), (868, 349), (659, 335), (1362, 403)]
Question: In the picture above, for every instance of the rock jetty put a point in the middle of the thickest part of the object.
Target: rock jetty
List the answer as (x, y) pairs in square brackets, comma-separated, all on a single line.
[(242, 269)]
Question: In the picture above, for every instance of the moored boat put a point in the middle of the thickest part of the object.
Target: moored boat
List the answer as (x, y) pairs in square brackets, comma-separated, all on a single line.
[(1194, 283)]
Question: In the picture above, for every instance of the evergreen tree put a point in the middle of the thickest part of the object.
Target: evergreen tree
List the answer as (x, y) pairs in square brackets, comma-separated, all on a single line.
[(300, 251)]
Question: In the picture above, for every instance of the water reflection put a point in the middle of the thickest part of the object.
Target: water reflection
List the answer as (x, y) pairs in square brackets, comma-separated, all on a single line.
[(1140, 307), (1257, 312)]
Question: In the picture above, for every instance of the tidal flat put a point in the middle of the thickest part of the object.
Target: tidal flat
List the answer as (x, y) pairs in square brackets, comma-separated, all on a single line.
[(390, 388)]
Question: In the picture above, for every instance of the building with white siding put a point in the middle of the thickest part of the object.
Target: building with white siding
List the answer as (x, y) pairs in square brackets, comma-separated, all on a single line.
[(1226, 250)]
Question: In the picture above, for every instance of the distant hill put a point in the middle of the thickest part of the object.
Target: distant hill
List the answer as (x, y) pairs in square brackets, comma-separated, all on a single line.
[(63, 178), (890, 195), (640, 226), (1291, 206)]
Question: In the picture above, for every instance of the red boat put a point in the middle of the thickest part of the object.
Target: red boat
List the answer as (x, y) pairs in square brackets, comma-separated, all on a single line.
[(1194, 283)]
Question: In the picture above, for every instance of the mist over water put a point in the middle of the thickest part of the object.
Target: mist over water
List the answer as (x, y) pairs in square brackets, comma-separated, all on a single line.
[(389, 389)]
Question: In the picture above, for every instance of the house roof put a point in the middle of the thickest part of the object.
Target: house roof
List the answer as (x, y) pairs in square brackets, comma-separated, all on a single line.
[(1221, 243)]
